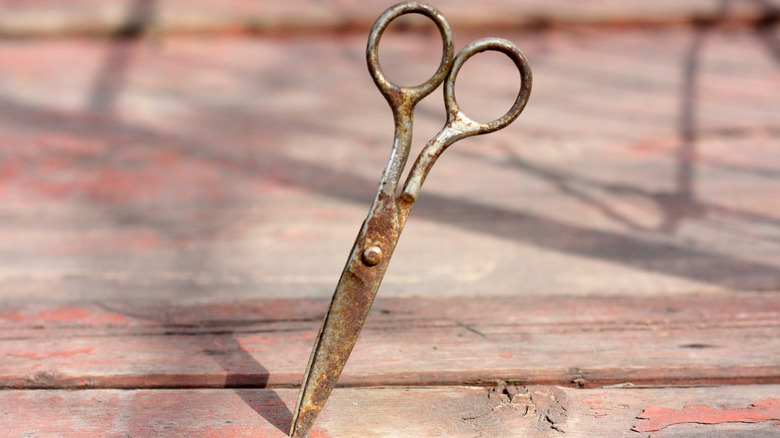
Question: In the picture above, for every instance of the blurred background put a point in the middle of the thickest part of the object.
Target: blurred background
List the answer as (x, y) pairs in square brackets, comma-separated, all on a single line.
[(207, 150)]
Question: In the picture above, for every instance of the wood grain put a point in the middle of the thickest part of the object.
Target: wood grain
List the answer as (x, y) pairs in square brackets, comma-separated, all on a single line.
[(535, 411), (171, 227), (714, 339), (159, 172)]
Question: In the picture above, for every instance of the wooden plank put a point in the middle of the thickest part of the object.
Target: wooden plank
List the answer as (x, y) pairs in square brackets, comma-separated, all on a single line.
[(47, 17), (713, 339), (240, 413), (671, 412), (117, 188), (536, 411)]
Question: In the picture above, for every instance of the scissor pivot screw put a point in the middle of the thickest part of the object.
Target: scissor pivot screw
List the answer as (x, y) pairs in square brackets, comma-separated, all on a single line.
[(372, 255)]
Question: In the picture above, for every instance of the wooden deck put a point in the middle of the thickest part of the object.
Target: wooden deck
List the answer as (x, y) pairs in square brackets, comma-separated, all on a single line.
[(516, 366), (176, 210)]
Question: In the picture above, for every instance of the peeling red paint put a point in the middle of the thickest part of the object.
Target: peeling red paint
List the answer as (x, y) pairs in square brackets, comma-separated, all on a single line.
[(70, 315), (598, 406), (594, 404), (654, 419), (13, 317), (506, 355), (64, 314), (38, 356), (110, 318)]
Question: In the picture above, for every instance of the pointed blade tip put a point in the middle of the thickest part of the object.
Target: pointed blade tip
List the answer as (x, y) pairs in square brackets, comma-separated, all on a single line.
[(302, 424), (299, 429)]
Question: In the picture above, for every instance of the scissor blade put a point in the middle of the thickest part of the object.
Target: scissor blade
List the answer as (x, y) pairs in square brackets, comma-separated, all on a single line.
[(348, 311), (334, 344)]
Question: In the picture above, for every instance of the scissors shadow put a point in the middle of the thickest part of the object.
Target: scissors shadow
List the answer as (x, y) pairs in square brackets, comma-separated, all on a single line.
[(243, 373), (228, 352)]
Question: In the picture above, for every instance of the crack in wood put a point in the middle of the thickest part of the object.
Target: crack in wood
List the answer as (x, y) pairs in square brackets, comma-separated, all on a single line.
[(471, 328), (541, 408)]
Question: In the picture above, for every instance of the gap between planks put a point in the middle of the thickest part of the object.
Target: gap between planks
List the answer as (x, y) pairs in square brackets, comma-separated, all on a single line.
[(583, 342)]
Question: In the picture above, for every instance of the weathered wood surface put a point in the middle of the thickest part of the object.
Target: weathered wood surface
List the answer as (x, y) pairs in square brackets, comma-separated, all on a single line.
[(155, 17), (645, 163), (535, 411), (161, 196), (711, 339)]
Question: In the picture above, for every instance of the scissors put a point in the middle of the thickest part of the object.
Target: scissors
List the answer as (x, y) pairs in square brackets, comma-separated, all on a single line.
[(379, 233)]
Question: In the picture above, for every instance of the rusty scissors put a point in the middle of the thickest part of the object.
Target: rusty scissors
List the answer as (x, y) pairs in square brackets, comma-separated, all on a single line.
[(379, 234)]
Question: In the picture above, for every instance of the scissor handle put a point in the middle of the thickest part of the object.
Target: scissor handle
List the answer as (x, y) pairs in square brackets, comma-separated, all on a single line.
[(454, 114), (393, 92), (458, 125)]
